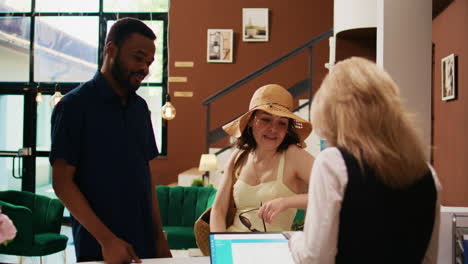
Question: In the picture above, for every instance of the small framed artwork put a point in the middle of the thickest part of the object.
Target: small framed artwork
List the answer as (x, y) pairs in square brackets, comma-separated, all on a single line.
[(255, 24), (449, 77), (220, 45)]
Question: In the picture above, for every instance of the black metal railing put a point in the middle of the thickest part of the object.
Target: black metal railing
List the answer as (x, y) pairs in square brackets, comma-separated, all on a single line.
[(296, 90), (17, 165)]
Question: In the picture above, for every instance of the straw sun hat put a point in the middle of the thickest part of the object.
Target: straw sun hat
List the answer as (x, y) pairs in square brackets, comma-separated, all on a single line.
[(275, 100)]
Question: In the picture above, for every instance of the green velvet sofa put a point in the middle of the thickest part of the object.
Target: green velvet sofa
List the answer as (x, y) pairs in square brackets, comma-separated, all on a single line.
[(180, 207)]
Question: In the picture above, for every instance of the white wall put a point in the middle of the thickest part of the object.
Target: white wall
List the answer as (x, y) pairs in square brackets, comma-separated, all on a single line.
[(404, 37), (404, 44), (352, 14)]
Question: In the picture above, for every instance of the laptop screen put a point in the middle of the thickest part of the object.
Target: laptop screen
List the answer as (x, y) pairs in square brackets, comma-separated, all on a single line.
[(249, 248)]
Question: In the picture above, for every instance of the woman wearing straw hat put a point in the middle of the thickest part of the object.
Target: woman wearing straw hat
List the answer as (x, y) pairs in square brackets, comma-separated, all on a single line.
[(374, 198), (270, 167)]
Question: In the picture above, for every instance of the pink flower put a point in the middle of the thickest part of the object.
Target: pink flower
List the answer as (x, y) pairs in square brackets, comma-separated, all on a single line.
[(7, 229)]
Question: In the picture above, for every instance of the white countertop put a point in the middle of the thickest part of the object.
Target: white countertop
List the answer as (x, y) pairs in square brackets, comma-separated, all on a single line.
[(193, 260)]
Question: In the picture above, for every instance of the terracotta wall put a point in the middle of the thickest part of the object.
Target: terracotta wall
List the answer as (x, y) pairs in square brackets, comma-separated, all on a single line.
[(451, 117), (292, 23)]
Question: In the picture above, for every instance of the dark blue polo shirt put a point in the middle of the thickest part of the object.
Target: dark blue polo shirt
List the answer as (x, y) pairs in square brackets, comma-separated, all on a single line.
[(110, 145)]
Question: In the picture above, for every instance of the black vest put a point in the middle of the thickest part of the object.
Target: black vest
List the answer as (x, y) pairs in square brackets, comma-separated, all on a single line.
[(380, 224)]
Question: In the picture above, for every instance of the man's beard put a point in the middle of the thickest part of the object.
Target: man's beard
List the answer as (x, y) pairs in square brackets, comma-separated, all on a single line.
[(122, 75)]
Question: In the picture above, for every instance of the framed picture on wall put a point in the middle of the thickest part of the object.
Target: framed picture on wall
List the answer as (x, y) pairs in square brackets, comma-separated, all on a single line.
[(255, 24), (449, 77), (220, 45)]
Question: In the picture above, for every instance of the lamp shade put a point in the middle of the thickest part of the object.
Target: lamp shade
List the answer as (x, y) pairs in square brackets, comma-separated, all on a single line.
[(207, 162)]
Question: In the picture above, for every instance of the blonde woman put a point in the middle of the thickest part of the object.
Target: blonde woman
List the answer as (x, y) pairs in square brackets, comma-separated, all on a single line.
[(271, 168), (372, 198)]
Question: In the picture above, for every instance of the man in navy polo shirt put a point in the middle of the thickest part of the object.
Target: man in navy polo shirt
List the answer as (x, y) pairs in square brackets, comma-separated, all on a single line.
[(102, 145)]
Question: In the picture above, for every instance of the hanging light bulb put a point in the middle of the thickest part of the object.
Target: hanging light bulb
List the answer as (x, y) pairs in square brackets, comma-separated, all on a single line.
[(56, 97), (168, 110), (38, 95)]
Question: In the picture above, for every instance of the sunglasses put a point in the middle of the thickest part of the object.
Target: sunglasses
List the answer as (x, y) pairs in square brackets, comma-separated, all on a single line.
[(246, 222)]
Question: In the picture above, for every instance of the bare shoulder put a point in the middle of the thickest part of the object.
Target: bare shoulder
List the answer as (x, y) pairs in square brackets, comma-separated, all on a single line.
[(299, 162), (298, 154)]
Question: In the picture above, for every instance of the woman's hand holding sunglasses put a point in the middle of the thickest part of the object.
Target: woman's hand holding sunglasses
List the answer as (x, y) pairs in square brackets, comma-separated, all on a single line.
[(271, 209), (246, 222)]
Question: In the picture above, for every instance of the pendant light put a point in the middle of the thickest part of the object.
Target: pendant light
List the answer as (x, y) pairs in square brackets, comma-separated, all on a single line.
[(38, 95), (168, 111), (56, 97)]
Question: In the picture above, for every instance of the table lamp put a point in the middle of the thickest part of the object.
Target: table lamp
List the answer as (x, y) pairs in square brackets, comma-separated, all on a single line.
[(207, 164)]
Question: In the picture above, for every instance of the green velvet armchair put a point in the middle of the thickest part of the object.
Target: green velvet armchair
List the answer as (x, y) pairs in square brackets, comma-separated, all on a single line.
[(38, 220), (180, 207)]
